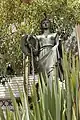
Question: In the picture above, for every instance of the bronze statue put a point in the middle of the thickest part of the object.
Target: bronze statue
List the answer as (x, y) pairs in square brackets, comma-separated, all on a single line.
[(45, 49)]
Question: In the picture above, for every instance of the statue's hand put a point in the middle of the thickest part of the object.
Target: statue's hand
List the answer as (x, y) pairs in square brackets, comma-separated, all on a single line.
[(35, 52), (33, 43), (29, 41), (25, 46)]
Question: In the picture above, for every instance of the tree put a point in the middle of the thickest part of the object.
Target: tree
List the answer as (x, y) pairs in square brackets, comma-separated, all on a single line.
[(17, 18)]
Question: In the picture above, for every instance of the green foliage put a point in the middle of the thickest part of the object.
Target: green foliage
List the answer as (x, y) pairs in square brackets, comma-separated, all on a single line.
[(17, 18)]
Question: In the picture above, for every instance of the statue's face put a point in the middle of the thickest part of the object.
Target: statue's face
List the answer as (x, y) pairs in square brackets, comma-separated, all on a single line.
[(45, 24)]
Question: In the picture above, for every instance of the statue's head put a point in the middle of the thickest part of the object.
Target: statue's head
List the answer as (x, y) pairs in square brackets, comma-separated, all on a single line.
[(45, 24)]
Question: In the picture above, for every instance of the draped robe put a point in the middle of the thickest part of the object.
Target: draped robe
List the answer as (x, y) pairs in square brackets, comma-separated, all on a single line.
[(48, 55)]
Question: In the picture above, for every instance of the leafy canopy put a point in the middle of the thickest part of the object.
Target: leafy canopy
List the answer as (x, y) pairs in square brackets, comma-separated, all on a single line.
[(17, 18)]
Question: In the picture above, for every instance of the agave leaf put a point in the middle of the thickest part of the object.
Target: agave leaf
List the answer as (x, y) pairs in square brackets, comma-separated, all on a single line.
[(32, 117), (57, 99), (26, 107), (20, 94), (63, 115), (74, 115), (42, 101), (35, 104), (50, 117), (67, 85), (23, 116), (15, 105), (9, 114), (2, 117), (44, 96)]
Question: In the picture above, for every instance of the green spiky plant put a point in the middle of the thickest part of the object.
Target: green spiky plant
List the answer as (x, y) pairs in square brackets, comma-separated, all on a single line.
[(60, 104)]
